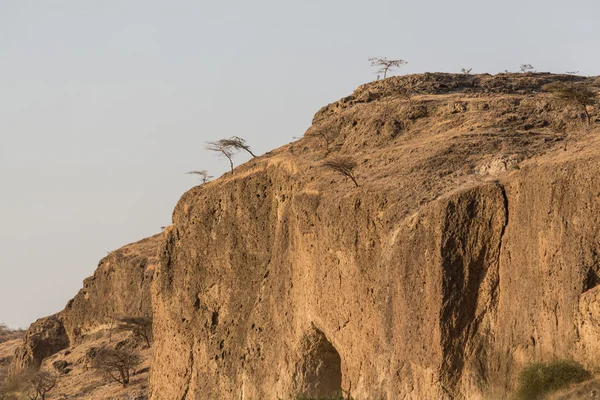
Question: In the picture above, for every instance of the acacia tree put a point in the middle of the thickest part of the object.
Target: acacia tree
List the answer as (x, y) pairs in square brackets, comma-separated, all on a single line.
[(580, 96), (236, 142), (384, 64), (203, 175), (344, 166), (117, 364), (139, 326), (224, 149), (525, 68), (33, 384)]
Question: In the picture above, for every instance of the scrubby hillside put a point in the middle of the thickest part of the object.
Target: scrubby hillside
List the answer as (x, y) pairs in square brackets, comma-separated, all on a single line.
[(120, 287), (467, 249)]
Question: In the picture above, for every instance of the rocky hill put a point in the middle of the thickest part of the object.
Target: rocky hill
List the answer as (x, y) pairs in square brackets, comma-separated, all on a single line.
[(468, 249)]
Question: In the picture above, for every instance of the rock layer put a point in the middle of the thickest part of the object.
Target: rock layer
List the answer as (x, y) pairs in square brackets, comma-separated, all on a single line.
[(439, 277)]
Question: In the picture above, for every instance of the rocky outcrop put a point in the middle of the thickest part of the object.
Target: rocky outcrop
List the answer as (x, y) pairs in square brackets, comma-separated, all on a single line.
[(120, 286), (430, 280), (44, 338)]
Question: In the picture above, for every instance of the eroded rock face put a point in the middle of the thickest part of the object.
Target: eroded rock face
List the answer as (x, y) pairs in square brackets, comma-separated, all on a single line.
[(44, 338), (428, 281), (120, 286)]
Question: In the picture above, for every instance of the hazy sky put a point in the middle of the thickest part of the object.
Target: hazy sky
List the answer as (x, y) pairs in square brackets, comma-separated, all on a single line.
[(104, 105)]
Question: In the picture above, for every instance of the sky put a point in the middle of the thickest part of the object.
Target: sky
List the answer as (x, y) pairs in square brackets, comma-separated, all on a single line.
[(105, 104)]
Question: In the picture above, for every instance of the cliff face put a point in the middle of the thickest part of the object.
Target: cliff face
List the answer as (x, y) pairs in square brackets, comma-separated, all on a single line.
[(469, 249), (120, 286)]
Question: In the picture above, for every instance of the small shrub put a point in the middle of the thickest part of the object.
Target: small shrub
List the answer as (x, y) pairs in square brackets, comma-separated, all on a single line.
[(538, 379), (344, 166)]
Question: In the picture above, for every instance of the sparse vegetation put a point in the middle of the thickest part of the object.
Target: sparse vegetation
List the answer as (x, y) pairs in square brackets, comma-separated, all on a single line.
[(526, 68), (236, 142), (578, 95), (203, 175), (385, 65), (32, 384), (537, 380), (223, 149), (344, 166), (139, 326), (117, 364), (229, 147)]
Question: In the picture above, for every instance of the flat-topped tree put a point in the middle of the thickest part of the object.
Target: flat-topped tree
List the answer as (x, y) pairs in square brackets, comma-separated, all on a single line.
[(384, 64), (344, 166), (238, 143)]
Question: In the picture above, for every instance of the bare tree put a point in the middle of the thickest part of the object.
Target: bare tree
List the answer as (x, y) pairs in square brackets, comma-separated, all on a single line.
[(33, 384), (384, 64), (116, 364), (466, 71), (203, 175), (139, 326), (344, 166), (40, 383), (236, 142), (527, 68), (578, 95), (223, 149)]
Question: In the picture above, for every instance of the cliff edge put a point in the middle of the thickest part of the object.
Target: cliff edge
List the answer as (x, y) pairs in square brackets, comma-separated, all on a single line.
[(469, 249)]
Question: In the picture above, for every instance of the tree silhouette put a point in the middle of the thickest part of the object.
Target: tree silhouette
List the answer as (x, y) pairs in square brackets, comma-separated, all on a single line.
[(384, 64), (223, 149), (236, 142), (203, 175)]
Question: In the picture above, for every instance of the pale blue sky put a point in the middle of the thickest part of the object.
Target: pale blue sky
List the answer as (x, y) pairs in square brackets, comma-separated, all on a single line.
[(104, 105)]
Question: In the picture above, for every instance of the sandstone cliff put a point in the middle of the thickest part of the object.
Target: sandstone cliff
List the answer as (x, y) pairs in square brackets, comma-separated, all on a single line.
[(469, 249)]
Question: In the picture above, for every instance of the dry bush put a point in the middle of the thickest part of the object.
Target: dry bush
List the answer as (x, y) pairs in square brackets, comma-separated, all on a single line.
[(384, 64), (203, 175), (117, 364), (580, 96), (32, 384), (139, 326), (344, 166), (527, 68)]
